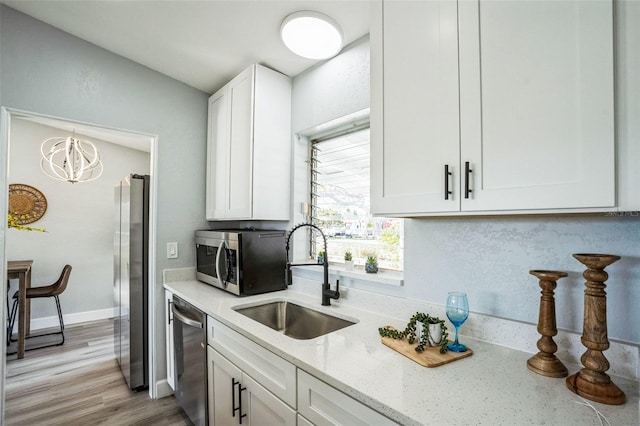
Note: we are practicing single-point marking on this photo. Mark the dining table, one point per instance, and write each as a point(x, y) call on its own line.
point(21, 270)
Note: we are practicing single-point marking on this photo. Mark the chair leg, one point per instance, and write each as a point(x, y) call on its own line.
point(60, 318)
point(14, 312)
point(12, 320)
point(8, 314)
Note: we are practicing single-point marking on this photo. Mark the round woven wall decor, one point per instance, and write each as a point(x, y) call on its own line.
point(27, 203)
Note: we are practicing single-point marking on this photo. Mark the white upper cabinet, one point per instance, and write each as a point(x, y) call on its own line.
point(249, 148)
point(514, 99)
point(415, 119)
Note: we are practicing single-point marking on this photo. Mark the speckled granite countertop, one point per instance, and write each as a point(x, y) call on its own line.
point(492, 387)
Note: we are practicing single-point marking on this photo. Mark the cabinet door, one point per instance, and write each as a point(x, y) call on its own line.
point(303, 422)
point(217, 148)
point(235, 398)
point(223, 390)
point(262, 407)
point(274, 373)
point(240, 150)
point(169, 340)
point(414, 107)
point(536, 102)
point(324, 405)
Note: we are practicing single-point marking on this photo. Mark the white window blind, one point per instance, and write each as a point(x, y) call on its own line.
point(340, 202)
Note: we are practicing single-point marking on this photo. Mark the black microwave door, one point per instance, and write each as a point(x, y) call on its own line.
point(206, 260)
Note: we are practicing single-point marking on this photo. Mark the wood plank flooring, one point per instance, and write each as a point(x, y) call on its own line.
point(80, 383)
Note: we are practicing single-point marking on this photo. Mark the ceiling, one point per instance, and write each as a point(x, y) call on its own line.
point(202, 43)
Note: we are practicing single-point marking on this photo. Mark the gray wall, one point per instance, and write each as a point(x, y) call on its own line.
point(47, 71)
point(490, 258)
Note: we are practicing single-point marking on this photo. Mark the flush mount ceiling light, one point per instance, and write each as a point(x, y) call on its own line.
point(70, 159)
point(311, 35)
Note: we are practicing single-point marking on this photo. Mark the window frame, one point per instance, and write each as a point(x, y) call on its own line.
point(314, 138)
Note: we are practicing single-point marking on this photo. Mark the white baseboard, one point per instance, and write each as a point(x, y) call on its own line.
point(163, 389)
point(69, 319)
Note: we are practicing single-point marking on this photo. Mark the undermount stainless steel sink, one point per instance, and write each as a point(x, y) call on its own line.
point(294, 320)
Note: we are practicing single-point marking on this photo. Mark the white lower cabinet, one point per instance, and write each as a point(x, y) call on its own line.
point(321, 404)
point(237, 399)
point(265, 367)
point(169, 337)
point(250, 385)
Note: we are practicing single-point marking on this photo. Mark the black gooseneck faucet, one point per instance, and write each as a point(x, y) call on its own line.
point(327, 293)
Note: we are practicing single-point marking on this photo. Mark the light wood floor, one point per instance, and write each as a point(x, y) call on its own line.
point(80, 383)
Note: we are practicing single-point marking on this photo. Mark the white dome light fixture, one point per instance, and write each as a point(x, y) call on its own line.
point(311, 35)
point(70, 159)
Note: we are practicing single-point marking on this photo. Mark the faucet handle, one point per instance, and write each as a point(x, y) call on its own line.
point(288, 275)
point(335, 294)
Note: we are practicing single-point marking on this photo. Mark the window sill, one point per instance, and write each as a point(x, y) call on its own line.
point(337, 271)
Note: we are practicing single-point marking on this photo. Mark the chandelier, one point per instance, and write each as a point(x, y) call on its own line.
point(70, 159)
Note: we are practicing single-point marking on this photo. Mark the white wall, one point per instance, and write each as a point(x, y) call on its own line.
point(47, 71)
point(490, 258)
point(79, 221)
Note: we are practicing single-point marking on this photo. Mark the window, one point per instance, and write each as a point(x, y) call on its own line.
point(340, 202)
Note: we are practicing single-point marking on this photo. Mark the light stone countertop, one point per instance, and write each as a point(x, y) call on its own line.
point(492, 387)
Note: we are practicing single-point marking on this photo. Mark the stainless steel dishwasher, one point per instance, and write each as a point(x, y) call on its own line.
point(190, 347)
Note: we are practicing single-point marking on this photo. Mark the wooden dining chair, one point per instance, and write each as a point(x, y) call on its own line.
point(52, 290)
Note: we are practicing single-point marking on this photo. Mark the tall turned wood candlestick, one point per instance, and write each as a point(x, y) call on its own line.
point(545, 362)
point(592, 382)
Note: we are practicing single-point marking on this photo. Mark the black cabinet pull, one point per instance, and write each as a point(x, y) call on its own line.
point(240, 389)
point(467, 172)
point(447, 173)
point(233, 399)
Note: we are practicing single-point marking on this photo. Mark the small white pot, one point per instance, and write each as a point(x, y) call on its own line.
point(435, 333)
point(348, 265)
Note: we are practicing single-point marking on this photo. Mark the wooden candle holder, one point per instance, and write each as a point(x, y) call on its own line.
point(592, 382)
point(545, 362)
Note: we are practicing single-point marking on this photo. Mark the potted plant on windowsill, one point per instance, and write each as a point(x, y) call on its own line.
point(371, 266)
point(348, 261)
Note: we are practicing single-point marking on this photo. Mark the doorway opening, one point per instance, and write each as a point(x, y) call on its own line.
point(79, 221)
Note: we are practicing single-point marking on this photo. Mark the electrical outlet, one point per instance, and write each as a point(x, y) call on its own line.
point(172, 250)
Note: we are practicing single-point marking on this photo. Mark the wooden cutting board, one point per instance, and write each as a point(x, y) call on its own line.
point(430, 357)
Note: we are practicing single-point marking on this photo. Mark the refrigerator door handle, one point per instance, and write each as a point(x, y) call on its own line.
point(184, 318)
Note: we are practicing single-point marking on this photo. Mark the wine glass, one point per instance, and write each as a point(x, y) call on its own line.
point(457, 312)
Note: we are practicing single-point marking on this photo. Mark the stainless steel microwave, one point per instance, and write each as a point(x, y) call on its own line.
point(242, 262)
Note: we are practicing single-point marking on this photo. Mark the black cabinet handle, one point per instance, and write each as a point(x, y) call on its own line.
point(240, 389)
point(467, 172)
point(447, 173)
point(233, 399)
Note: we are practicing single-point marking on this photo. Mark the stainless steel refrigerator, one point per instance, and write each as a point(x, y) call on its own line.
point(130, 279)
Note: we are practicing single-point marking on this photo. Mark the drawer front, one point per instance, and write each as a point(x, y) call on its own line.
point(274, 373)
point(324, 405)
